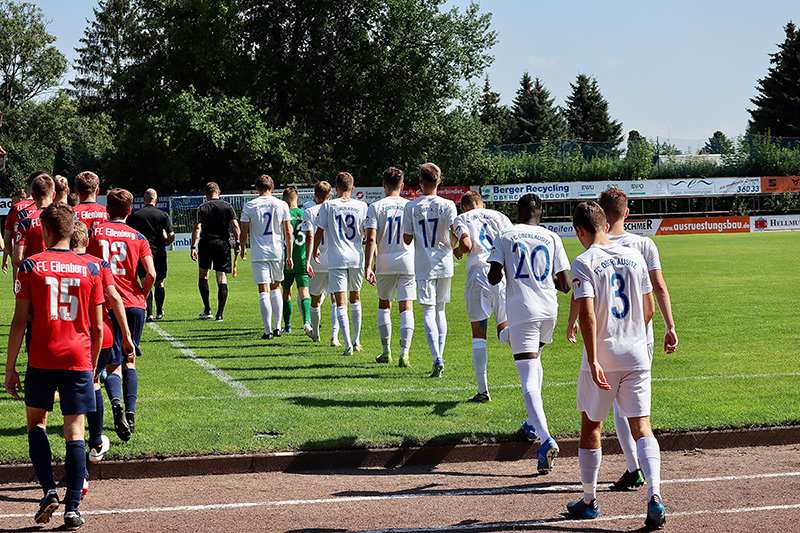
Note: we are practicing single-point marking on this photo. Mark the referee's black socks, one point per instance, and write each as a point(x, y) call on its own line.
point(222, 297)
point(202, 284)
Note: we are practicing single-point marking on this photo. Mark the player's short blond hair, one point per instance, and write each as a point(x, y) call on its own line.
point(471, 200)
point(80, 235)
point(86, 183)
point(42, 187)
point(614, 202)
point(344, 181)
point(322, 190)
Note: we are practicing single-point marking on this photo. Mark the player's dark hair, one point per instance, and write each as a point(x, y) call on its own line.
point(322, 190)
point(73, 199)
point(529, 206)
point(290, 192)
point(86, 183)
point(42, 187)
point(614, 202)
point(211, 188)
point(18, 195)
point(344, 181)
point(118, 203)
point(33, 175)
point(471, 200)
point(589, 216)
point(393, 177)
point(80, 235)
point(429, 174)
point(264, 183)
point(59, 218)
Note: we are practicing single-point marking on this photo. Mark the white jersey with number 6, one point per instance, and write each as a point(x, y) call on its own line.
point(428, 219)
point(343, 223)
point(266, 215)
point(394, 255)
point(617, 278)
point(482, 226)
point(531, 256)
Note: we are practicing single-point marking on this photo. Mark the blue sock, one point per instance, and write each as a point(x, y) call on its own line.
point(113, 386)
point(95, 420)
point(130, 384)
point(42, 459)
point(74, 472)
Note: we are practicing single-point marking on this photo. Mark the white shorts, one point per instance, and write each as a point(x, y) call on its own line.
point(529, 336)
point(403, 285)
point(629, 388)
point(267, 271)
point(318, 285)
point(433, 291)
point(482, 299)
point(345, 279)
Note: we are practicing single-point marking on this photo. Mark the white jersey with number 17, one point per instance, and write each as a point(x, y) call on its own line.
point(531, 256)
point(428, 219)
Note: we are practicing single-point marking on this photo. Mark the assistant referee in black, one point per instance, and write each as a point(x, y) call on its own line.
point(211, 247)
point(156, 227)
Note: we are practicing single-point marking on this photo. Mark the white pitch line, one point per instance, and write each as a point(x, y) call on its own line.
point(449, 493)
point(240, 390)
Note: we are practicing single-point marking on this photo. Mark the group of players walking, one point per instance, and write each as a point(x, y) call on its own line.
point(513, 271)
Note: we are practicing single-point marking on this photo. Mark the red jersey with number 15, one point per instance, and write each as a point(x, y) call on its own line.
point(123, 248)
point(63, 290)
point(91, 213)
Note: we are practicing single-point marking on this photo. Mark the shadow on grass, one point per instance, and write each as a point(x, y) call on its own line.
point(291, 377)
point(15, 432)
point(439, 408)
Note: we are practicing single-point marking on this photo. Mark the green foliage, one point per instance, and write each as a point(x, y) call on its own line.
point(777, 109)
point(587, 113)
point(780, 204)
point(29, 64)
point(496, 117)
point(537, 117)
point(718, 144)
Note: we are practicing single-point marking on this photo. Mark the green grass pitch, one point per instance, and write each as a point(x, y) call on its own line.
point(734, 299)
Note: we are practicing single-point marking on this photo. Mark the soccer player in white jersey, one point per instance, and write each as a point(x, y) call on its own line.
point(394, 265)
point(266, 221)
point(476, 230)
point(611, 286)
point(341, 221)
point(536, 267)
point(428, 222)
point(615, 205)
point(318, 269)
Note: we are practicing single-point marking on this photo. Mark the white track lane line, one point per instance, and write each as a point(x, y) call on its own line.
point(450, 493)
point(240, 390)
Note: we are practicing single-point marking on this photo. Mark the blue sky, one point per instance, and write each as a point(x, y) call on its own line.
point(677, 70)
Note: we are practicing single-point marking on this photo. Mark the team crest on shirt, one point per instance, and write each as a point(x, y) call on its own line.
point(17, 286)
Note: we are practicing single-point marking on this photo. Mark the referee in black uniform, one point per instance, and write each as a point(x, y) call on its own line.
point(214, 217)
point(156, 226)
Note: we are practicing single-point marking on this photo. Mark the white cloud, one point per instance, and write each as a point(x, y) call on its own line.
point(610, 62)
point(542, 62)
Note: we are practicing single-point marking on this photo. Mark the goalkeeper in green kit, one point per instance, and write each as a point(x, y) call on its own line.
point(298, 273)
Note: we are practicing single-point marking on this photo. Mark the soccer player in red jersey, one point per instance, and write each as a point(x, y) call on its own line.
point(124, 249)
point(87, 185)
point(28, 236)
point(11, 219)
point(64, 295)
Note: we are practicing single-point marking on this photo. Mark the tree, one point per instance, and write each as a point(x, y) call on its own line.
point(29, 65)
point(777, 109)
point(587, 114)
point(537, 118)
point(496, 116)
point(105, 52)
point(718, 144)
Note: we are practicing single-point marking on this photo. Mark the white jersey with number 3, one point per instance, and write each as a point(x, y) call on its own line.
point(428, 219)
point(343, 223)
point(266, 215)
point(483, 226)
point(531, 256)
point(394, 255)
point(617, 278)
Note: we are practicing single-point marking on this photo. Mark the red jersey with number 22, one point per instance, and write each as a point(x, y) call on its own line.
point(123, 248)
point(63, 290)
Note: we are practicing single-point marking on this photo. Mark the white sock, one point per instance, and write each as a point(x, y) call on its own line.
point(505, 336)
point(441, 322)
point(406, 330)
point(344, 326)
point(385, 328)
point(480, 357)
point(528, 370)
point(355, 314)
point(431, 330)
point(650, 459)
point(334, 322)
point(626, 441)
point(315, 317)
point(277, 308)
point(589, 462)
point(266, 310)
